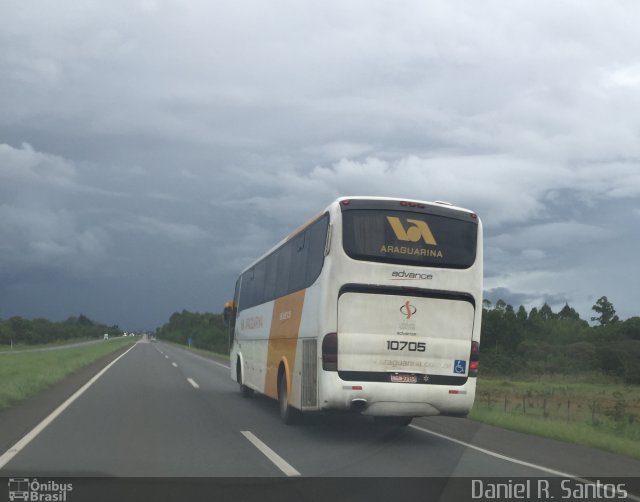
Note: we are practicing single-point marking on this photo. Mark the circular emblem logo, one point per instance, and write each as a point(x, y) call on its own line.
point(408, 310)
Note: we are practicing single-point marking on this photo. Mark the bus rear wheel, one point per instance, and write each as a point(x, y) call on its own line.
point(246, 392)
point(393, 421)
point(288, 414)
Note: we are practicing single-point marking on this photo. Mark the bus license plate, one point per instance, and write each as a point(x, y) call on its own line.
point(404, 378)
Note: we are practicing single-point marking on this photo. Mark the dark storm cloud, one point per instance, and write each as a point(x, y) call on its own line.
point(150, 150)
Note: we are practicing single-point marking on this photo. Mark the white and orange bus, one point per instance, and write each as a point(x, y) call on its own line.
point(373, 306)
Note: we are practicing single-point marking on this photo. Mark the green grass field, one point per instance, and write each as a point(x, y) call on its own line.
point(598, 415)
point(25, 374)
point(22, 346)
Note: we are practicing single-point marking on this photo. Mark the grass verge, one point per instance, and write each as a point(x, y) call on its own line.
point(594, 415)
point(26, 374)
point(24, 346)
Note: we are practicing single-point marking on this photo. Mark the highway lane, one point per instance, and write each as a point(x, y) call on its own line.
point(163, 411)
point(141, 418)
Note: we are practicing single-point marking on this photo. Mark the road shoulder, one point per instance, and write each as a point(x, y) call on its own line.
point(19, 420)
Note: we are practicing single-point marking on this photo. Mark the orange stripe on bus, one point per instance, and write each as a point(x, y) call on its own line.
point(304, 225)
point(283, 339)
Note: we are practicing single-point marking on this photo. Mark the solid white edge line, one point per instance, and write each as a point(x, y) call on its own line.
point(6, 457)
point(193, 383)
point(219, 364)
point(277, 460)
point(547, 470)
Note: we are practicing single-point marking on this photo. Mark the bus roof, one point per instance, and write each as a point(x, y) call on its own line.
point(338, 201)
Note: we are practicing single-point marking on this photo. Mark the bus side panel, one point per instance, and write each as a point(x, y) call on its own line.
point(283, 339)
point(304, 393)
point(252, 333)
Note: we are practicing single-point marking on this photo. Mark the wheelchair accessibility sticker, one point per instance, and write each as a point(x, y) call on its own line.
point(459, 367)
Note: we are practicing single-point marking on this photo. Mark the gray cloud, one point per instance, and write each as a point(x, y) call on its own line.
point(154, 148)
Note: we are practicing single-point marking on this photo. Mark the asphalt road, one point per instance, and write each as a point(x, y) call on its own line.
point(161, 411)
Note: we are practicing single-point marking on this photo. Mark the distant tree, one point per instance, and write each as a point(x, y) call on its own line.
point(206, 330)
point(486, 304)
point(546, 313)
point(630, 328)
point(85, 321)
point(521, 315)
point(568, 313)
point(629, 354)
point(5, 334)
point(607, 314)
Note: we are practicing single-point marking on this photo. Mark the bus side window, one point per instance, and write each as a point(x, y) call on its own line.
point(298, 264)
point(284, 258)
point(271, 277)
point(315, 243)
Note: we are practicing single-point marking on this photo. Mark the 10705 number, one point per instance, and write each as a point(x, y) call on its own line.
point(410, 346)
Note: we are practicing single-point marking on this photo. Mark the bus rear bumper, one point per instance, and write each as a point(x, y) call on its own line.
point(394, 408)
point(397, 399)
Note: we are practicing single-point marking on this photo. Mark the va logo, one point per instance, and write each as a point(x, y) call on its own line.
point(419, 230)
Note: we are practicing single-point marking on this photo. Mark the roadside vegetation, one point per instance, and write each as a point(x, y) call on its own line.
point(20, 333)
point(598, 415)
point(541, 372)
point(26, 374)
point(553, 375)
point(206, 331)
point(543, 343)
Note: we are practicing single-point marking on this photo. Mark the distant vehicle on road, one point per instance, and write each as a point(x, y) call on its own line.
point(106, 336)
point(373, 306)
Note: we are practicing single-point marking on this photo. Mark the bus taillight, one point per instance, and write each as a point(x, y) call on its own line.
point(474, 359)
point(330, 352)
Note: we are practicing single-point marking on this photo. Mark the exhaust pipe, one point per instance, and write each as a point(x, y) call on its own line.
point(358, 404)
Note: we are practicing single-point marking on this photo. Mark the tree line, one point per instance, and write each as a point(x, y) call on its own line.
point(206, 331)
point(20, 331)
point(517, 342)
point(513, 342)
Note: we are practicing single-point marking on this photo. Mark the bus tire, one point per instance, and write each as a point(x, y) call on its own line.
point(393, 421)
point(288, 414)
point(246, 392)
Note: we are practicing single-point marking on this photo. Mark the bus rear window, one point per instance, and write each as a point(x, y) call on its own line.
point(411, 238)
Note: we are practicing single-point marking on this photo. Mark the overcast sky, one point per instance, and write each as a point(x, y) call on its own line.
point(150, 149)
